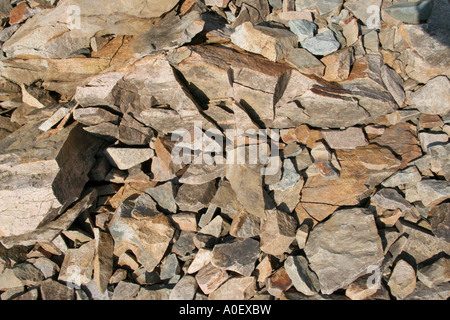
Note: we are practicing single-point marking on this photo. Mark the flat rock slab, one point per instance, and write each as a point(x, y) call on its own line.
point(343, 247)
point(41, 176)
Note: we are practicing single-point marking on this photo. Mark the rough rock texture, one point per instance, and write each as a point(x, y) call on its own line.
point(338, 261)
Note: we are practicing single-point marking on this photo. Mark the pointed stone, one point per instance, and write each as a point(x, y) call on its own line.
point(126, 158)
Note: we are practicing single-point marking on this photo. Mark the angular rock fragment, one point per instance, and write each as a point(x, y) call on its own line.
point(272, 43)
point(77, 267)
point(125, 291)
point(146, 236)
point(350, 138)
point(278, 283)
point(431, 192)
point(53, 290)
point(305, 62)
point(94, 116)
point(277, 232)
point(435, 274)
point(439, 217)
point(169, 33)
point(322, 44)
point(126, 158)
point(193, 198)
point(236, 288)
point(209, 278)
point(103, 259)
point(342, 248)
point(185, 289)
point(164, 196)
point(303, 279)
point(408, 175)
point(238, 256)
point(402, 281)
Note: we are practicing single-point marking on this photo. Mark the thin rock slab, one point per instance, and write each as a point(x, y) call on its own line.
point(342, 248)
point(103, 258)
point(435, 274)
point(126, 158)
point(146, 236)
point(238, 256)
point(209, 278)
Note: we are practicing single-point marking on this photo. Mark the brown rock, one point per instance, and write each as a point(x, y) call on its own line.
point(103, 259)
point(238, 256)
point(277, 232)
point(338, 65)
point(279, 282)
point(195, 197)
point(402, 281)
point(209, 278)
point(53, 290)
point(146, 236)
point(236, 288)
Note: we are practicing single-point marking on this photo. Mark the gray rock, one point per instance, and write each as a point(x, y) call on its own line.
point(28, 274)
point(126, 158)
point(238, 256)
point(405, 176)
point(170, 33)
point(164, 196)
point(195, 197)
point(431, 192)
point(411, 12)
point(402, 281)
point(303, 279)
point(185, 289)
point(53, 290)
point(305, 62)
point(390, 199)
point(304, 29)
point(430, 139)
point(322, 44)
point(422, 244)
point(433, 98)
point(435, 274)
point(359, 8)
point(184, 244)
point(422, 292)
point(125, 290)
point(338, 261)
point(289, 178)
point(170, 267)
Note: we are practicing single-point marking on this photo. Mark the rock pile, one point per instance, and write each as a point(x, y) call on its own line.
point(224, 149)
